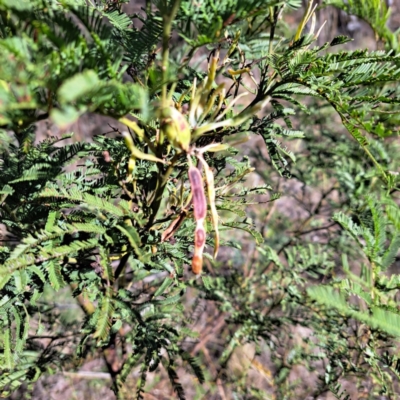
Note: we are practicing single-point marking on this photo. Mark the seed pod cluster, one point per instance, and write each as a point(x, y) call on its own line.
point(200, 211)
point(175, 127)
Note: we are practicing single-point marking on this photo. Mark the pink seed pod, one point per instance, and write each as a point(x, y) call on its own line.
point(200, 237)
point(199, 243)
point(198, 196)
point(200, 212)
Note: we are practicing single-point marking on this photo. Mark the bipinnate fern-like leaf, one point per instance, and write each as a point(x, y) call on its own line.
point(375, 12)
point(56, 253)
point(120, 21)
point(209, 20)
point(51, 220)
point(378, 318)
point(390, 254)
point(129, 364)
point(371, 235)
point(194, 364)
point(51, 233)
point(93, 203)
point(7, 342)
point(339, 392)
point(22, 322)
point(139, 44)
point(379, 226)
point(104, 321)
point(141, 381)
point(351, 227)
point(132, 235)
point(54, 273)
point(174, 379)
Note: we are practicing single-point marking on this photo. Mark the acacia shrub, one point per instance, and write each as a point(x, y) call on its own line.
point(112, 222)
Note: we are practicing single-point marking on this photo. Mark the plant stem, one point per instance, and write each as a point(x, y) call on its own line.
point(162, 182)
point(272, 32)
point(168, 17)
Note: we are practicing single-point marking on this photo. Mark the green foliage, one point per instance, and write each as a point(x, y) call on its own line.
point(336, 182)
point(376, 13)
point(109, 222)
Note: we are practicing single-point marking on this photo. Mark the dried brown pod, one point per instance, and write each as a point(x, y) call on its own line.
point(174, 226)
point(197, 264)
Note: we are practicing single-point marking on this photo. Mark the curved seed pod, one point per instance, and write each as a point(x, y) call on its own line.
point(175, 127)
point(174, 226)
point(212, 69)
point(131, 166)
point(134, 126)
point(136, 153)
point(211, 200)
point(307, 15)
point(232, 47)
point(239, 71)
